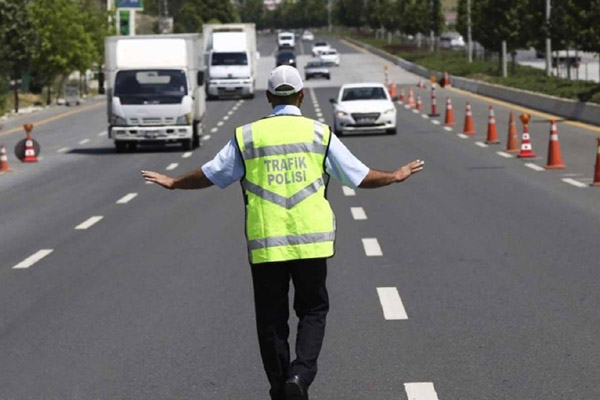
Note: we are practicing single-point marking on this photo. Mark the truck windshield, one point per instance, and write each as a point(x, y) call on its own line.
point(163, 86)
point(229, 59)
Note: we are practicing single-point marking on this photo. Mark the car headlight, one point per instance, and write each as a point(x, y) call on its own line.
point(117, 121)
point(184, 119)
point(341, 114)
point(390, 111)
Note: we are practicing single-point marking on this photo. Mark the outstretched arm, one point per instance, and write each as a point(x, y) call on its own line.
point(194, 180)
point(375, 178)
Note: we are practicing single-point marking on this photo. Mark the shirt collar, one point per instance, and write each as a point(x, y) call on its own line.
point(285, 109)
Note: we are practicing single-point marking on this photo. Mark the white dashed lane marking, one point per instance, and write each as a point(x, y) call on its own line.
point(84, 141)
point(348, 191)
point(424, 116)
point(127, 198)
point(372, 248)
point(103, 133)
point(89, 222)
point(534, 167)
point(206, 137)
point(220, 123)
point(575, 183)
point(172, 166)
point(503, 154)
point(63, 150)
point(187, 154)
point(358, 213)
point(481, 144)
point(462, 136)
point(32, 259)
point(447, 128)
point(435, 122)
point(213, 130)
point(321, 120)
point(391, 303)
point(420, 391)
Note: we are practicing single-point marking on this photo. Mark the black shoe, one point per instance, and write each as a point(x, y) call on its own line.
point(294, 390)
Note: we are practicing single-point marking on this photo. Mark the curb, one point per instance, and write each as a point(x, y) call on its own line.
point(565, 108)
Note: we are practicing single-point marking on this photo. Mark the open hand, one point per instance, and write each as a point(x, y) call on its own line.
point(407, 170)
point(162, 180)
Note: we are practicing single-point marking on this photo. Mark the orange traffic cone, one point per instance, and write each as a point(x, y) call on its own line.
point(526, 149)
point(449, 119)
point(492, 133)
point(392, 90)
point(411, 98)
point(512, 144)
point(434, 111)
point(4, 167)
point(554, 156)
point(469, 128)
point(419, 103)
point(446, 80)
point(401, 97)
point(597, 173)
point(421, 84)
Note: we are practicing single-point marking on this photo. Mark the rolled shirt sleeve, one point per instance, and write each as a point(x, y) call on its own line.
point(227, 166)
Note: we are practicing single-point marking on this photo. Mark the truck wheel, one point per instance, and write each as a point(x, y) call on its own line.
point(131, 147)
point(120, 147)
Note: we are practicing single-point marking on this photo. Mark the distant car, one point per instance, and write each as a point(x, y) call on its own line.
point(286, 57)
point(307, 36)
point(286, 39)
point(330, 57)
point(316, 68)
point(364, 107)
point(320, 47)
point(452, 41)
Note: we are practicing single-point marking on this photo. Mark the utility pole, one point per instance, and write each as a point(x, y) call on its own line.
point(431, 34)
point(469, 38)
point(548, 42)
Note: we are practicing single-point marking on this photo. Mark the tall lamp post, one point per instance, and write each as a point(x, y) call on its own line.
point(469, 37)
point(548, 42)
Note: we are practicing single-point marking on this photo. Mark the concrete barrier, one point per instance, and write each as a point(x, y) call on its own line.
point(565, 108)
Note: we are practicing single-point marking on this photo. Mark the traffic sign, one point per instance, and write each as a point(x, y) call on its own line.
point(131, 4)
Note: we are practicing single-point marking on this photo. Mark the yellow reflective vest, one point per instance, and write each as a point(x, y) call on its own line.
point(287, 214)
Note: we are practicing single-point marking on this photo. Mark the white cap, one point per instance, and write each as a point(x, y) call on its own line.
point(285, 75)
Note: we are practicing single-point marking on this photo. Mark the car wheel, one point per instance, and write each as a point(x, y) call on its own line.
point(391, 131)
point(328, 77)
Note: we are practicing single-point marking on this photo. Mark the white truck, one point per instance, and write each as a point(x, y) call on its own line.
point(231, 59)
point(155, 90)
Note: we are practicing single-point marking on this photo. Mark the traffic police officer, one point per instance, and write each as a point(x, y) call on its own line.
point(284, 162)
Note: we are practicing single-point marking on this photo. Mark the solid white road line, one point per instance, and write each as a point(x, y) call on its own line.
point(534, 167)
point(503, 154)
point(32, 259)
point(481, 144)
point(462, 136)
point(358, 213)
point(447, 128)
point(372, 248)
point(213, 130)
point(420, 391)
point(575, 183)
point(84, 141)
point(63, 150)
point(172, 166)
point(127, 198)
point(348, 191)
point(89, 222)
point(435, 122)
point(187, 154)
point(392, 306)
point(103, 133)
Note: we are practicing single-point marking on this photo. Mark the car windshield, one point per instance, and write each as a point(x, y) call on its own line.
point(229, 59)
point(364, 93)
point(320, 44)
point(330, 53)
point(150, 86)
point(315, 64)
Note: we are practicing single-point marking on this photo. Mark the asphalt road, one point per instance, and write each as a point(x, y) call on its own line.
point(476, 279)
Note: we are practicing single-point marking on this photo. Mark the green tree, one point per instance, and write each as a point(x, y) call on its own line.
point(17, 40)
point(351, 13)
point(461, 17)
point(252, 11)
point(187, 13)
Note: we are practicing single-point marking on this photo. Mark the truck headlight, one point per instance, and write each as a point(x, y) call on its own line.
point(117, 121)
point(185, 119)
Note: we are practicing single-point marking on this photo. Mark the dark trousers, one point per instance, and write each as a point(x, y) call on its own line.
point(311, 303)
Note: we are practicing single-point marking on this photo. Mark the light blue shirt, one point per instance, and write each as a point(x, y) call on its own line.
point(228, 166)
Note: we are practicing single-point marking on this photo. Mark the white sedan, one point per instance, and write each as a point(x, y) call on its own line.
point(364, 107)
point(320, 47)
point(308, 36)
point(330, 57)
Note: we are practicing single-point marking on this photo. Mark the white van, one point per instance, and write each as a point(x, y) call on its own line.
point(286, 40)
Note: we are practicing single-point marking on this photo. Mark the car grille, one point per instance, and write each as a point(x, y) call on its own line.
point(365, 118)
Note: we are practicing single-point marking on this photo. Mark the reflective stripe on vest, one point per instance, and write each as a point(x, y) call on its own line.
point(287, 215)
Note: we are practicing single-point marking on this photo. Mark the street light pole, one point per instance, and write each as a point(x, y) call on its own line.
point(548, 42)
point(469, 38)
